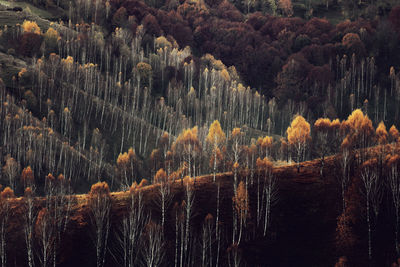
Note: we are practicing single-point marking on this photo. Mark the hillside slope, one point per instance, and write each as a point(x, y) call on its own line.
point(304, 219)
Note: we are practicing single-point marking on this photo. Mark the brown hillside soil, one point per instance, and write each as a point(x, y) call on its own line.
point(302, 231)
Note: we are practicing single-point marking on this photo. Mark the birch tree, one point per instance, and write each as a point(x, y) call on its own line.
point(394, 187)
point(45, 236)
point(164, 193)
point(99, 202)
point(298, 136)
point(369, 178)
point(29, 218)
point(153, 245)
point(216, 139)
point(5, 210)
point(241, 203)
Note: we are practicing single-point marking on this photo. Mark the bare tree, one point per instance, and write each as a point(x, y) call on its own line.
point(207, 241)
point(153, 245)
point(5, 209)
point(394, 187)
point(164, 193)
point(29, 217)
point(269, 197)
point(11, 169)
point(369, 178)
point(189, 199)
point(132, 226)
point(344, 177)
point(45, 237)
point(234, 256)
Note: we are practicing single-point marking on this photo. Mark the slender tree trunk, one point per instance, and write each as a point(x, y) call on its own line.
point(369, 232)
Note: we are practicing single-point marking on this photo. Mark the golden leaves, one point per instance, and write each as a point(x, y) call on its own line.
point(27, 176)
point(381, 133)
point(265, 142)
point(394, 133)
point(7, 193)
point(358, 127)
point(30, 26)
point(162, 42)
point(264, 163)
point(99, 189)
point(215, 134)
point(68, 61)
point(161, 176)
point(21, 73)
point(123, 159)
point(241, 200)
point(298, 131)
point(322, 124)
point(51, 34)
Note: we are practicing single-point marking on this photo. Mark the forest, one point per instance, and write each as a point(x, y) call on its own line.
point(199, 133)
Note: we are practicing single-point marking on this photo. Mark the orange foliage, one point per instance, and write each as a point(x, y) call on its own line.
point(394, 133)
point(236, 133)
point(27, 177)
point(28, 192)
point(263, 164)
point(143, 183)
point(216, 154)
point(235, 165)
point(335, 124)
point(392, 160)
point(7, 193)
point(161, 176)
point(241, 200)
point(215, 135)
point(381, 133)
point(299, 131)
point(188, 136)
point(30, 26)
point(342, 262)
point(265, 142)
point(99, 189)
point(358, 128)
point(322, 124)
point(61, 178)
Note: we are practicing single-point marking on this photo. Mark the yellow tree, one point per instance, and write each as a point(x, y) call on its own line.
point(187, 144)
point(27, 177)
point(265, 145)
point(126, 164)
point(326, 134)
point(216, 139)
point(11, 169)
point(298, 136)
point(359, 131)
point(241, 204)
point(394, 134)
point(30, 26)
point(122, 163)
